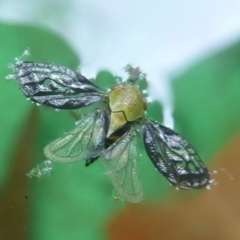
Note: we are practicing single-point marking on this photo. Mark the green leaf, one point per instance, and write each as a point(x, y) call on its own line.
point(207, 99)
point(75, 201)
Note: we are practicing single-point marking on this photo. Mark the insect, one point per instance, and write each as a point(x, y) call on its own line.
point(111, 132)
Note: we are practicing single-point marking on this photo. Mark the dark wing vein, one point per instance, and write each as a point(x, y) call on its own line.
point(56, 86)
point(174, 157)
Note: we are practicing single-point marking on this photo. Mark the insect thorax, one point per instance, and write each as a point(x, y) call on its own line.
point(127, 104)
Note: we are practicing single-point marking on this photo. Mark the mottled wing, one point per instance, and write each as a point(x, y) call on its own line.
point(174, 157)
point(56, 86)
point(121, 164)
point(86, 141)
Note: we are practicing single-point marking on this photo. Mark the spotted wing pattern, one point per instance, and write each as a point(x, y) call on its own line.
point(174, 157)
point(85, 141)
point(120, 161)
point(56, 86)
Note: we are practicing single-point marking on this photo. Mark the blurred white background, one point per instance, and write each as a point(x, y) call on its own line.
point(162, 37)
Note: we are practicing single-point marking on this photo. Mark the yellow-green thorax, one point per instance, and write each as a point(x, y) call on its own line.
point(127, 104)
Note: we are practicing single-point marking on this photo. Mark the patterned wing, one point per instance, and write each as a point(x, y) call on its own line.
point(120, 161)
point(174, 157)
point(56, 86)
point(86, 141)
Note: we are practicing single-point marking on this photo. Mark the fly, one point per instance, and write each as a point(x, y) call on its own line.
point(111, 132)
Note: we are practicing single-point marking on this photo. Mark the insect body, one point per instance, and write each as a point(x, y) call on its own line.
point(127, 104)
point(112, 131)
